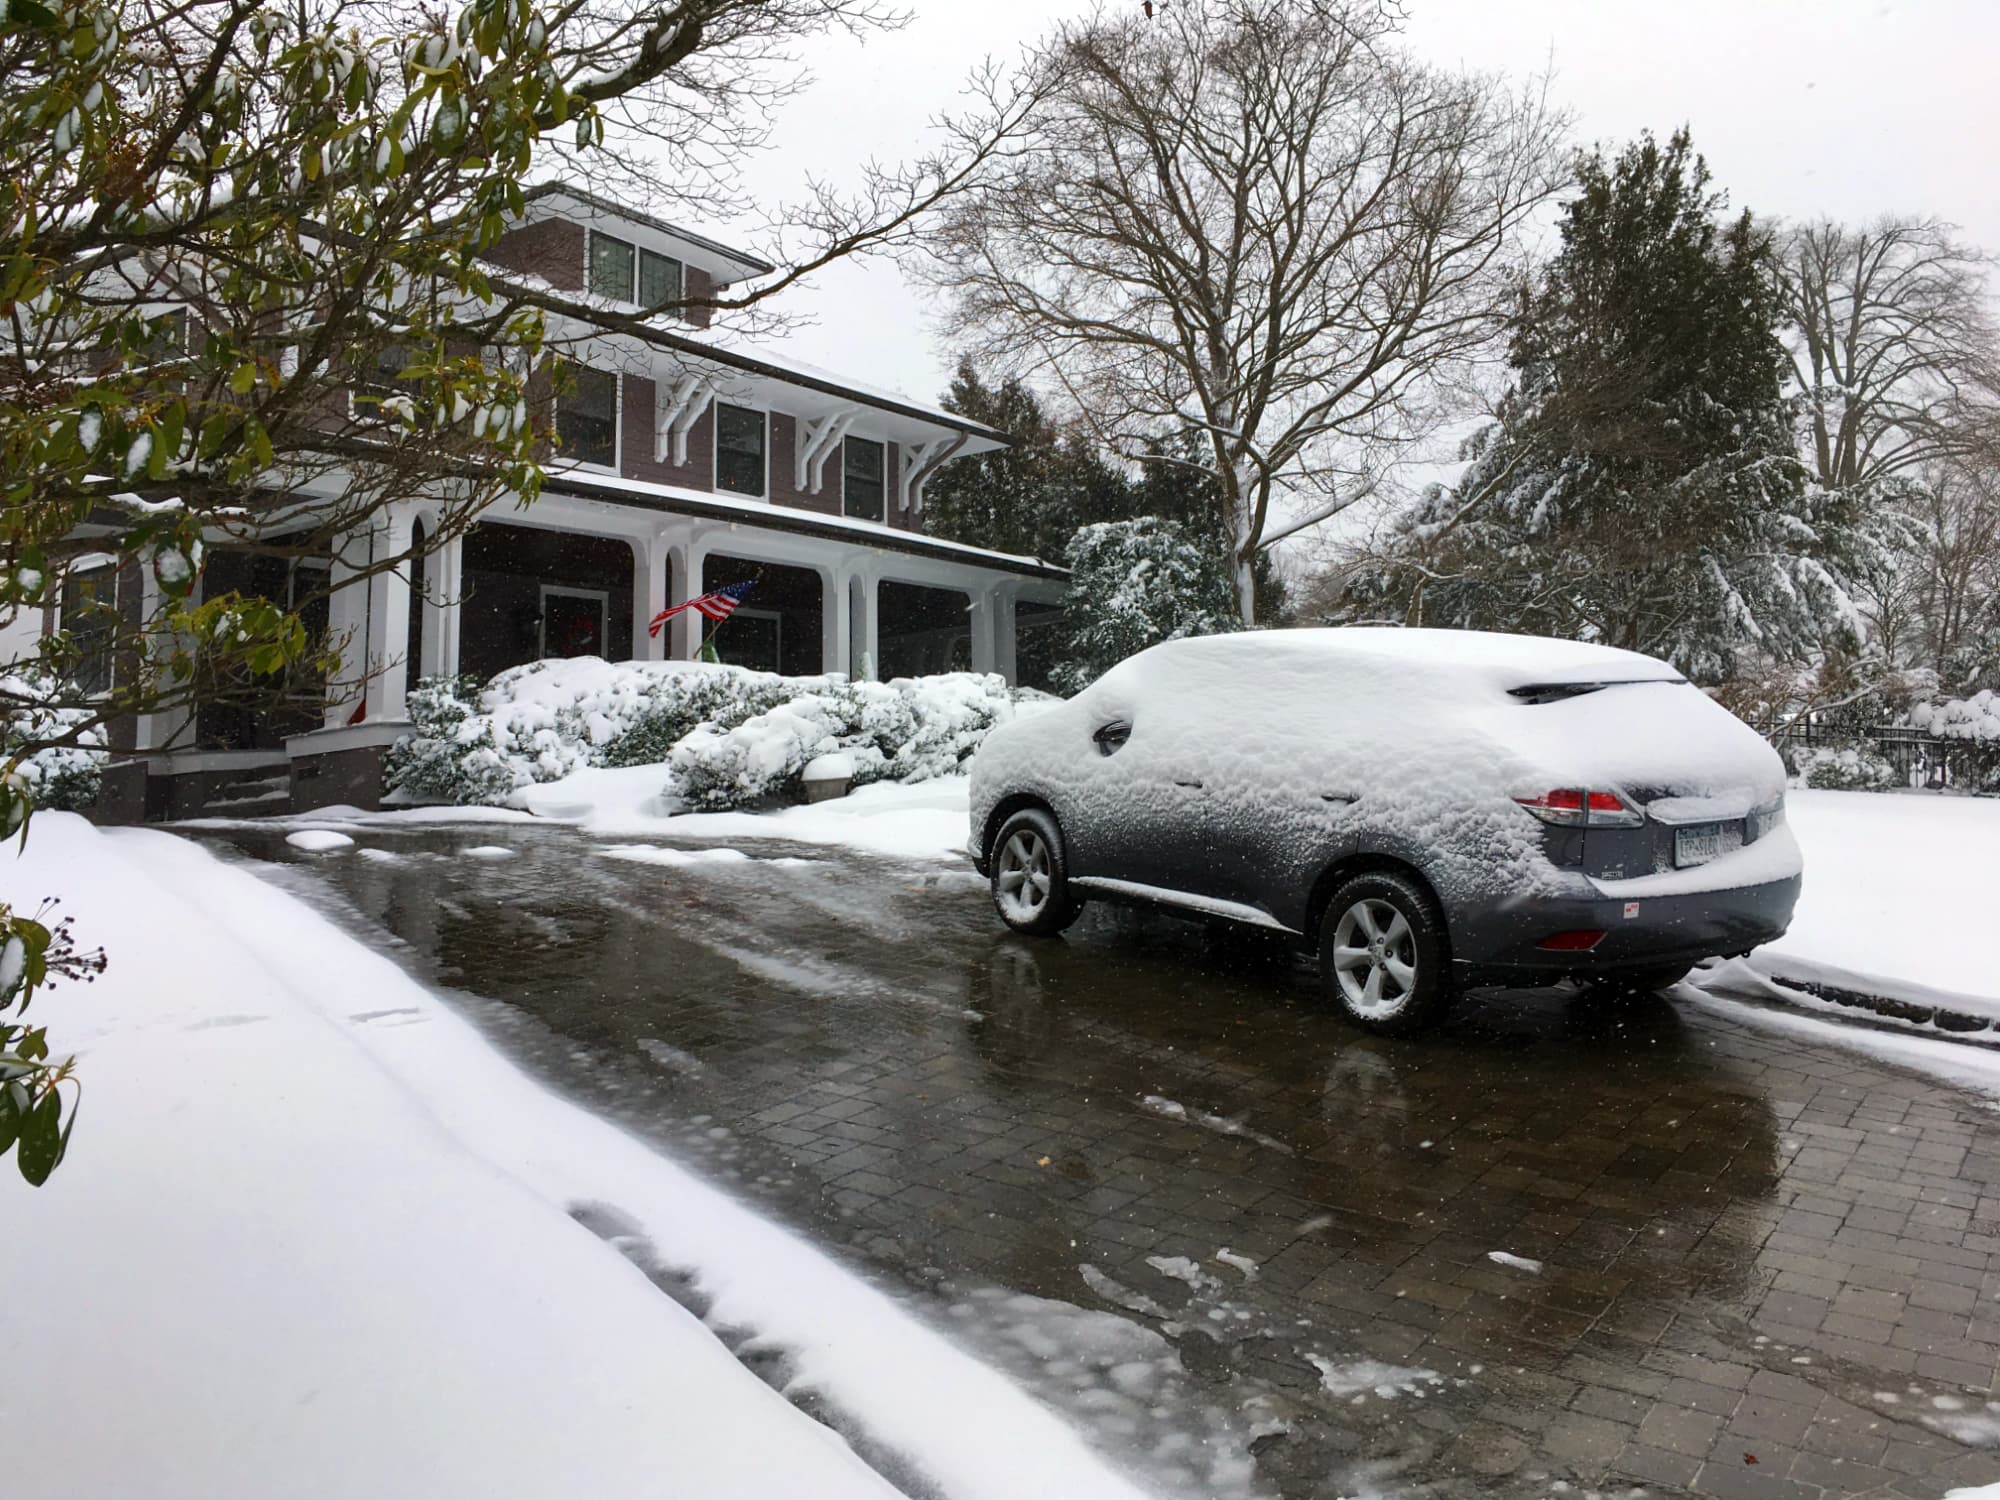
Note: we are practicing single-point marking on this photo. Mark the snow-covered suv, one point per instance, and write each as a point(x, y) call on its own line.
point(1424, 809)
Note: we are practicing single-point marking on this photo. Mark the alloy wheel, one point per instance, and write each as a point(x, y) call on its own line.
point(1024, 877)
point(1375, 958)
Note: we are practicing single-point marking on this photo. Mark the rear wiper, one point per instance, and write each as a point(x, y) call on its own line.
point(1555, 692)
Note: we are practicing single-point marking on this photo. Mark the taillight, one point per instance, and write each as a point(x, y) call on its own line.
point(1581, 940)
point(1575, 807)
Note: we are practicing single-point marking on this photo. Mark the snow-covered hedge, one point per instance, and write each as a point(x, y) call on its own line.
point(728, 737)
point(64, 778)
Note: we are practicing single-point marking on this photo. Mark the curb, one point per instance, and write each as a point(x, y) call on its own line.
point(1956, 1022)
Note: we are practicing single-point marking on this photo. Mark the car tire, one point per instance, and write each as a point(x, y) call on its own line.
point(1030, 879)
point(1384, 954)
point(1641, 981)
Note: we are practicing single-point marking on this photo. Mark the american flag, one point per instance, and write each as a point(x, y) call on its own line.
point(717, 606)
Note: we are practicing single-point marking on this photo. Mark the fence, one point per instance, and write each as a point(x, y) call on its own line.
point(1920, 759)
point(1923, 759)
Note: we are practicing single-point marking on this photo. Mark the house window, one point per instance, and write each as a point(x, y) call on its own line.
point(587, 417)
point(610, 267)
point(863, 479)
point(739, 450)
point(659, 279)
point(88, 601)
point(622, 272)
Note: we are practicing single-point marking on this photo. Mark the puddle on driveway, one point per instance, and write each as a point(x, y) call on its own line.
point(1248, 1248)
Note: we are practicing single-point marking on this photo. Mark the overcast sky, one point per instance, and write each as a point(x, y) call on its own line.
point(1803, 108)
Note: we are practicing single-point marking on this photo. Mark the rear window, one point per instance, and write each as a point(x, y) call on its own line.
point(1556, 692)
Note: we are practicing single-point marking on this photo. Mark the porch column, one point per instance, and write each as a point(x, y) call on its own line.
point(173, 728)
point(836, 602)
point(388, 622)
point(864, 628)
point(687, 626)
point(444, 586)
point(649, 596)
point(347, 625)
point(1006, 659)
point(980, 615)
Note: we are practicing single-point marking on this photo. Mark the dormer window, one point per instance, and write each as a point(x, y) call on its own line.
point(623, 272)
point(863, 479)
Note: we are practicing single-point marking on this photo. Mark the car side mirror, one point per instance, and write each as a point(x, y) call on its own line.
point(1110, 738)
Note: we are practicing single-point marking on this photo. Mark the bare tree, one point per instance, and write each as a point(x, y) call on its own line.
point(1893, 345)
point(1257, 219)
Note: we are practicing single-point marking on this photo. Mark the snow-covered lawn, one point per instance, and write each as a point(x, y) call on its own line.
point(1900, 897)
point(314, 1238)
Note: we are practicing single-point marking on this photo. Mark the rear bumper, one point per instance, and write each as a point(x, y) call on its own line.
point(1501, 940)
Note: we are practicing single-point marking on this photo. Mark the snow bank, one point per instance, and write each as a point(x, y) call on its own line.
point(918, 821)
point(728, 737)
point(1898, 899)
point(314, 1237)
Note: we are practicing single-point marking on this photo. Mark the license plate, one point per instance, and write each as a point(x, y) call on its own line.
point(1697, 845)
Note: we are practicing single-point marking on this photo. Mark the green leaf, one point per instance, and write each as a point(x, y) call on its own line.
point(243, 379)
point(10, 1122)
point(29, 13)
point(42, 1140)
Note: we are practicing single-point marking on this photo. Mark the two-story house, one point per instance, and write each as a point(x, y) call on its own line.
point(686, 464)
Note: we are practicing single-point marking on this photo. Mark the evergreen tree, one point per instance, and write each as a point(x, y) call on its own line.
point(1029, 498)
point(1641, 487)
point(1134, 584)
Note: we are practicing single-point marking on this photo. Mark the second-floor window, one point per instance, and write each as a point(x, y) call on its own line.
point(739, 450)
point(623, 272)
point(587, 416)
point(863, 479)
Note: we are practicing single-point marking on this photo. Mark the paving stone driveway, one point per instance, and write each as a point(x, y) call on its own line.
point(1736, 1264)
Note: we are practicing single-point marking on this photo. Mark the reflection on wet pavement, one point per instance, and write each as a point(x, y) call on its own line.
point(1561, 1245)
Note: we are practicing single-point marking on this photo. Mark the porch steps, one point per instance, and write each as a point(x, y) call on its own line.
point(252, 797)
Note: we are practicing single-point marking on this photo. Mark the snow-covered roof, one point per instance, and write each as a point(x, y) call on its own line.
point(1530, 658)
point(595, 485)
point(743, 263)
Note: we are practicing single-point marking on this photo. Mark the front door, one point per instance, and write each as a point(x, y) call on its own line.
point(573, 621)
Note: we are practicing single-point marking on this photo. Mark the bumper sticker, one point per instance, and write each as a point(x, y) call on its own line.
point(1631, 910)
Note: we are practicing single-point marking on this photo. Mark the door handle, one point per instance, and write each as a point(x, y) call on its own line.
point(1192, 785)
point(1345, 798)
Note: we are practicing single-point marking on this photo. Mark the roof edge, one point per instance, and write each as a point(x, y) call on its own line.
point(559, 188)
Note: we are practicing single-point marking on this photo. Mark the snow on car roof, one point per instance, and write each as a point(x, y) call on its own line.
point(1513, 659)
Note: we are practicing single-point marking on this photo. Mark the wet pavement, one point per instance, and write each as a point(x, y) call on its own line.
point(1561, 1246)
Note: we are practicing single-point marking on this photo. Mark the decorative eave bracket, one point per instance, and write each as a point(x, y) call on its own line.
point(817, 440)
point(920, 462)
point(676, 409)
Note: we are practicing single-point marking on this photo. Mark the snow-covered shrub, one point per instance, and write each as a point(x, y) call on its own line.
point(912, 729)
point(62, 777)
point(451, 755)
point(1134, 584)
point(742, 736)
point(1848, 768)
point(1975, 718)
point(760, 759)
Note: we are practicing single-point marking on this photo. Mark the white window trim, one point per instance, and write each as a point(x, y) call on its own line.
point(715, 446)
point(617, 466)
point(566, 591)
point(852, 437)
